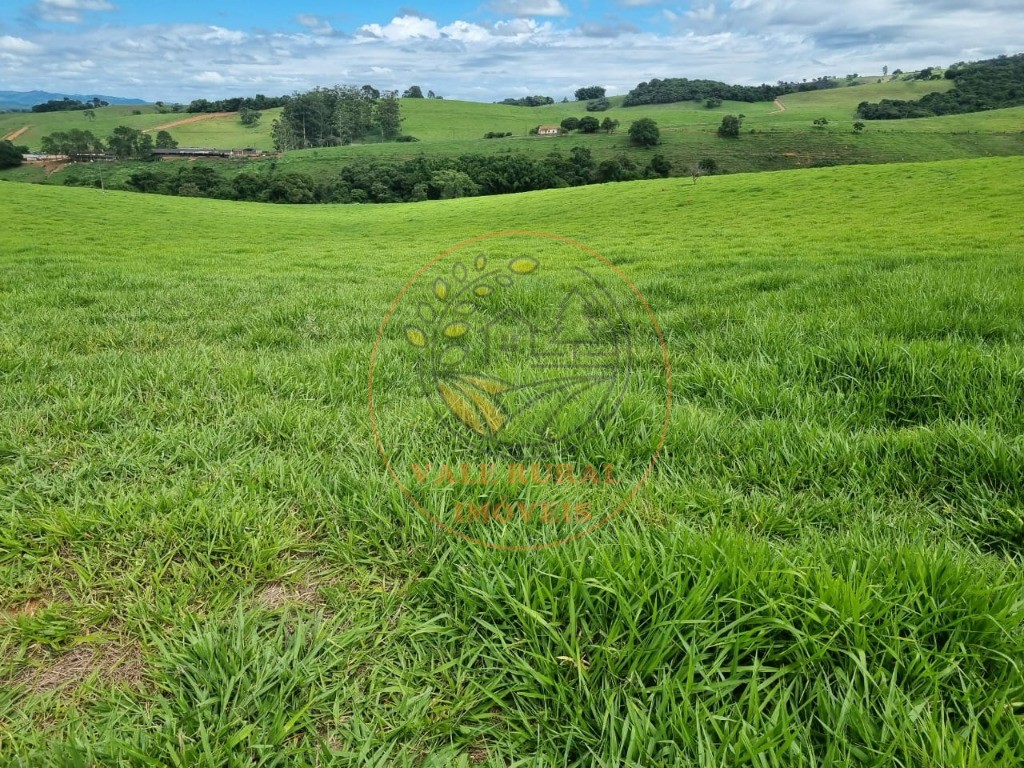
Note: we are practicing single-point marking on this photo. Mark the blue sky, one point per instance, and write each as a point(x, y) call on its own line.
point(483, 50)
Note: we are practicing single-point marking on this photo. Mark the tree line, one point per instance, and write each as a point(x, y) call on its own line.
point(672, 90)
point(67, 105)
point(123, 143)
point(376, 180)
point(337, 116)
point(529, 101)
point(979, 86)
point(237, 104)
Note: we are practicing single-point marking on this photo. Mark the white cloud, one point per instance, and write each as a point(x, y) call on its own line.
point(17, 45)
point(529, 7)
point(68, 11)
point(208, 76)
point(221, 35)
point(315, 24)
point(402, 28)
point(743, 41)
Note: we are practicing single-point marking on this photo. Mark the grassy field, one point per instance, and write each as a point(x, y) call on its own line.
point(226, 132)
point(203, 561)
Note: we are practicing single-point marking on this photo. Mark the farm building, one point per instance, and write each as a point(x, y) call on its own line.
point(192, 152)
point(548, 130)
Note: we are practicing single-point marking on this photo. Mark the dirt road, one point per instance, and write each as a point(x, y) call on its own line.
point(780, 105)
point(15, 134)
point(186, 120)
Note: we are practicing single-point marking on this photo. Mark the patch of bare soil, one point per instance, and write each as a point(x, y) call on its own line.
point(114, 663)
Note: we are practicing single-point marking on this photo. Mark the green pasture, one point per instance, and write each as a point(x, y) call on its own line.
point(203, 561)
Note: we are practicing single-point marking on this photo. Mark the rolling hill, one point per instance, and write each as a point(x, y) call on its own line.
point(823, 568)
point(28, 99)
point(772, 138)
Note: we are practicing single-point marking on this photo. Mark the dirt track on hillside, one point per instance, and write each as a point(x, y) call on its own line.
point(780, 105)
point(15, 134)
point(186, 120)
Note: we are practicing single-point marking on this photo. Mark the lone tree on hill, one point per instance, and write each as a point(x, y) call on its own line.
point(730, 127)
point(644, 132)
point(249, 117)
point(164, 140)
point(570, 124)
point(608, 125)
point(413, 92)
point(590, 92)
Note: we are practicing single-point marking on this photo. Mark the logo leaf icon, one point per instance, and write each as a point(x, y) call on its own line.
point(524, 265)
point(472, 404)
point(415, 336)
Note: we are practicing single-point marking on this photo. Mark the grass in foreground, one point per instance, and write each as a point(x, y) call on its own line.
point(202, 561)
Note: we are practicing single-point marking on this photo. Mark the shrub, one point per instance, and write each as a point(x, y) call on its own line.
point(708, 165)
point(644, 132)
point(730, 127)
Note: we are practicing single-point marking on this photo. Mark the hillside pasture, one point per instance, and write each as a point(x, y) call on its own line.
point(203, 560)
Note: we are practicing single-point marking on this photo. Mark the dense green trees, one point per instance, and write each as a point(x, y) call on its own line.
point(659, 166)
point(589, 93)
point(387, 115)
point(570, 124)
point(599, 105)
point(413, 92)
point(72, 142)
point(644, 132)
point(980, 85)
point(127, 143)
point(327, 117)
point(259, 102)
point(529, 101)
point(384, 181)
point(589, 124)
point(10, 155)
point(681, 89)
point(66, 104)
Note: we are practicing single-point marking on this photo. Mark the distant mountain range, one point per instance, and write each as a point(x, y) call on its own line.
point(28, 99)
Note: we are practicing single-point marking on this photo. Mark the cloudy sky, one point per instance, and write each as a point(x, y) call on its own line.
point(481, 50)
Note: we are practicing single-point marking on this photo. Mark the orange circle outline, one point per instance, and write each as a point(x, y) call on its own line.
point(668, 391)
